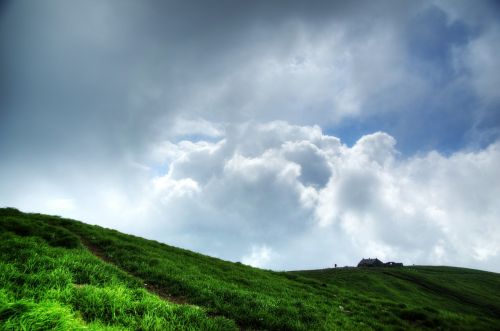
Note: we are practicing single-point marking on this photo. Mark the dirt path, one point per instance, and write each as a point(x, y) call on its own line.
point(161, 292)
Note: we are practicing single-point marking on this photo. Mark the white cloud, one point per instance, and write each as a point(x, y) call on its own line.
point(259, 257)
point(377, 147)
point(286, 186)
point(170, 188)
point(291, 197)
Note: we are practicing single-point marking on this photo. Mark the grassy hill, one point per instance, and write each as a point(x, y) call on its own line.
point(62, 274)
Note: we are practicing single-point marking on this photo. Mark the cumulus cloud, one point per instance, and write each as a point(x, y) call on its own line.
point(258, 257)
point(284, 196)
point(277, 186)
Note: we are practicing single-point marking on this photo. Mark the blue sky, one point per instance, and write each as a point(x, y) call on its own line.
point(443, 120)
point(280, 134)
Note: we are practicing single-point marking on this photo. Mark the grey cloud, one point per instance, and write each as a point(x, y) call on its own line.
point(357, 190)
point(87, 72)
point(315, 169)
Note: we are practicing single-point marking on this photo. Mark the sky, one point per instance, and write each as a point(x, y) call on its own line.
point(281, 134)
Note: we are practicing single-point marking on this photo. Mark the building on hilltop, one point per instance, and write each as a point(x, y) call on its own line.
point(377, 263)
point(370, 263)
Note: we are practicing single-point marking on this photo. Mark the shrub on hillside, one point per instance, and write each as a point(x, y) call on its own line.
point(17, 226)
point(9, 211)
point(54, 235)
point(64, 238)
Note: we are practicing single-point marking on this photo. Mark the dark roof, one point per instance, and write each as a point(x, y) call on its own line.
point(370, 262)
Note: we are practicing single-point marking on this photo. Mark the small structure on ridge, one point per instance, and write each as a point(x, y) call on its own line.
point(377, 263)
point(370, 263)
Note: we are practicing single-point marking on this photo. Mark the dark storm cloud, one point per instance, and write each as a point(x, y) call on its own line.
point(118, 71)
point(108, 71)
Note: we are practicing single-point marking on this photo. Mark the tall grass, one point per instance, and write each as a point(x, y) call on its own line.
point(52, 288)
point(52, 282)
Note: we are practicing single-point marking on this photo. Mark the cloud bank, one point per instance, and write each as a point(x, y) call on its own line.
point(283, 196)
point(292, 196)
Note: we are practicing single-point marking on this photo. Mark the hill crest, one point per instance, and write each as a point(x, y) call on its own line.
point(69, 275)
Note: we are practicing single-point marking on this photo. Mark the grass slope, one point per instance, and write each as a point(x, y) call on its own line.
point(63, 274)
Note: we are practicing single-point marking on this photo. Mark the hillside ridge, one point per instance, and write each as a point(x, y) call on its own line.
point(66, 274)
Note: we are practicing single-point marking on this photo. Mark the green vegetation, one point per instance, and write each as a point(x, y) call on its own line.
point(66, 275)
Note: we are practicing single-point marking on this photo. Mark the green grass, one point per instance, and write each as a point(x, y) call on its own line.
point(63, 274)
point(423, 291)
